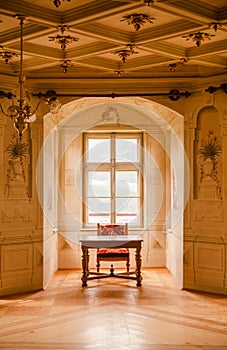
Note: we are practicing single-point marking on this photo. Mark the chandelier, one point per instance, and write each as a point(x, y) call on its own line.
point(57, 3)
point(62, 40)
point(198, 37)
point(137, 20)
point(20, 111)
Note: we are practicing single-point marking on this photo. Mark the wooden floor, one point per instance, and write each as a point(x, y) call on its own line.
point(114, 314)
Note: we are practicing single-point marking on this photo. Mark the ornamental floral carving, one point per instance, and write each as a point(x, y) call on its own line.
point(209, 152)
point(211, 147)
point(18, 151)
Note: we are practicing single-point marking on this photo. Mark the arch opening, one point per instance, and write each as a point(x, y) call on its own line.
point(164, 156)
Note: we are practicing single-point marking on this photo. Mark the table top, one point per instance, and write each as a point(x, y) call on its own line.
point(111, 241)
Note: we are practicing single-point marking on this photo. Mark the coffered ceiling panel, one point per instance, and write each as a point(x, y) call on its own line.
point(161, 50)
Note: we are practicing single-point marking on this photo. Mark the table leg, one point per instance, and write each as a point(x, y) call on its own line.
point(85, 259)
point(138, 267)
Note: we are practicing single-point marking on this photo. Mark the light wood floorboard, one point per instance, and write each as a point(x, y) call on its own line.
point(114, 314)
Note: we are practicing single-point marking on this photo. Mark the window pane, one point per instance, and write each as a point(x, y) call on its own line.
point(127, 150)
point(98, 150)
point(127, 210)
point(98, 183)
point(104, 219)
point(127, 183)
point(132, 219)
point(98, 210)
point(127, 205)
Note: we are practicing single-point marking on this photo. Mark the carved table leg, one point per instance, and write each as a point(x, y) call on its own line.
point(85, 259)
point(138, 267)
point(111, 270)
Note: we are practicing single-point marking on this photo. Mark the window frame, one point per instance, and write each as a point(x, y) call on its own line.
point(113, 167)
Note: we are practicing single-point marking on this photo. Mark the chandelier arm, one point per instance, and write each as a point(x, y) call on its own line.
point(21, 111)
point(37, 107)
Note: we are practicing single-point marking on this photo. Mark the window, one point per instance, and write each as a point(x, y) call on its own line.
point(112, 178)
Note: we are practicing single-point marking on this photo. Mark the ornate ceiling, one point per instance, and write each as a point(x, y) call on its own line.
point(92, 64)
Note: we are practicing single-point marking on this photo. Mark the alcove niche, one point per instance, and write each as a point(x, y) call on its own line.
point(208, 183)
point(165, 179)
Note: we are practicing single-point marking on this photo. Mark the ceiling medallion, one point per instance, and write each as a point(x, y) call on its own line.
point(151, 2)
point(174, 66)
point(63, 40)
point(125, 53)
point(215, 26)
point(198, 37)
point(119, 71)
point(137, 20)
point(66, 64)
point(57, 3)
point(62, 28)
point(7, 55)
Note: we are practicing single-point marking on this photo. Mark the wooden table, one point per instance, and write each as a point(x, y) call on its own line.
point(94, 242)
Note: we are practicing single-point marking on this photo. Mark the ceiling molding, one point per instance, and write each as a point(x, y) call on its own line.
point(100, 31)
point(95, 10)
point(208, 49)
point(34, 12)
point(192, 10)
point(166, 31)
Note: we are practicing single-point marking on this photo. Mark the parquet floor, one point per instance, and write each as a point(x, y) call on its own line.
point(114, 314)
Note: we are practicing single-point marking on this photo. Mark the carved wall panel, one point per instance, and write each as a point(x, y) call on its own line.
point(208, 183)
point(38, 255)
point(16, 257)
point(210, 266)
point(16, 266)
point(209, 256)
point(205, 246)
point(21, 262)
point(16, 213)
point(208, 211)
point(18, 167)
